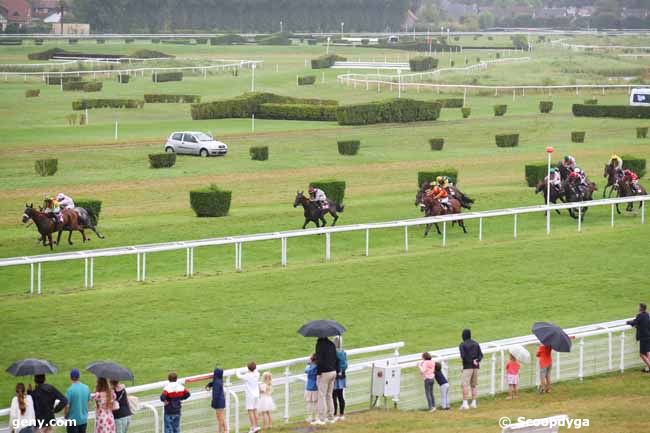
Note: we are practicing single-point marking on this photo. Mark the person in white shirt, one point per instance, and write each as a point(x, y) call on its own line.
point(21, 413)
point(251, 378)
point(65, 202)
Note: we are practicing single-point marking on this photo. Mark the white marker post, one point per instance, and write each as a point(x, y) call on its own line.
point(549, 152)
point(116, 130)
point(253, 122)
point(253, 78)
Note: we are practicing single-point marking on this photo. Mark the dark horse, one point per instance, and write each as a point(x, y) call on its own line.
point(454, 192)
point(314, 213)
point(575, 193)
point(433, 207)
point(47, 225)
point(613, 177)
point(86, 221)
point(556, 194)
point(624, 189)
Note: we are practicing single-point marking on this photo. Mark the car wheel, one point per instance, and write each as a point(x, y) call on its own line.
point(169, 149)
point(204, 153)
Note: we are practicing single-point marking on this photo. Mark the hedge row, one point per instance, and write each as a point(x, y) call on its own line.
point(82, 104)
point(535, 173)
point(11, 41)
point(545, 106)
point(259, 153)
point(348, 147)
point(162, 160)
point(157, 98)
point(297, 112)
point(641, 132)
point(451, 102)
point(327, 61)
point(390, 111)
point(637, 165)
point(423, 63)
point(436, 143)
point(430, 176)
point(94, 208)
point(163, 77)
point(618, 111)
point(466, 111)
point(150, 54)
point(578, 136)
point(229, 39)
point(46, 167)
point(57, 80)
point(507, 140)
point(33, 93)
point(306, 80)
point(500, 110)
point(123, 78)
point(46, 55)
point(86, 86)
point(210, 202)
point(333, 189)
point(276, 39)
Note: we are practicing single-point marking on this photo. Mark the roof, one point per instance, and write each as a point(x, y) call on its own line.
point(18, 11)
point(45, 4)
point(54, 18)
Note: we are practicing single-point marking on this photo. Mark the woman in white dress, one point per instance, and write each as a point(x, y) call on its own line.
point(21, 413)
point(266, 404)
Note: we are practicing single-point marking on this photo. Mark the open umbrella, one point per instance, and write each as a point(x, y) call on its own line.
point(31, 367)
point(321, 328)
point(520, 352)
point(552, 335)
point(110, 370)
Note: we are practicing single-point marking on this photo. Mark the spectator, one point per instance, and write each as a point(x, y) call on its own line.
point(340, 383)
point(512, 375)
point(172, 396)
point(428, 372)
point(105, 402)
point(218, 399)
point(545, 364)
point(44, 397)
point(266, 404)
point(123, 414)
point(471, 355)
point(327, 367)
point(642, 325)
point(251, 380)
point(21, 413)
point(444, 387)
point(311, 389)
point(78, 395)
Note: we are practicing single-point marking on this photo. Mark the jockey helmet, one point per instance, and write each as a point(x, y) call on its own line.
point(577, 170)
point(60, 196)
point(567, 157)
point(312, 189)
point(615, 156)
point(439, 179)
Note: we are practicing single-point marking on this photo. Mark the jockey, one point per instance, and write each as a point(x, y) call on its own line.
point(631, 179)
point(617, 163)
point(442, 181)
point(65, 202)
point(579, 175)
point(317, 195)
point(440, 194)
point(555, 179)
point(569, 162)
point(52, 209)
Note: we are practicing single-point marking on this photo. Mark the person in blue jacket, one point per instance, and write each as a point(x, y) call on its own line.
point(340, 382)
point(311, 389)
point(218, 398)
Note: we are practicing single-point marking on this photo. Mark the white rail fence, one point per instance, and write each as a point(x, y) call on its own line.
point(597, 349)
point(140, 251)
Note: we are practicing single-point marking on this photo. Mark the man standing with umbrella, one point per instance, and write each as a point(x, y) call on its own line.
point(77, 409)
point(642, 325)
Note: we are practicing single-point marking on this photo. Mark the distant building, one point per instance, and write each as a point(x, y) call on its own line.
point(636, 13)
point(42, 9)
point(16, 11)
point(3, 19)
point(71, 29)
point(551, 13)
point(585, 11)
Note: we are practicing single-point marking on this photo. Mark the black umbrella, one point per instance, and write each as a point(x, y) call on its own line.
point(552, 335)
point(31, 367)
point(321, 328)
point(110, 370)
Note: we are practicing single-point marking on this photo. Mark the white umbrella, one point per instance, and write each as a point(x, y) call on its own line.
point(520, 353)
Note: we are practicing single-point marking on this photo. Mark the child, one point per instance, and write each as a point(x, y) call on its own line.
point(512, 370)
point(311, 389)
point(251, 379)
point(427, 371)
point(172, 396)
point(545, 364)
point(266, 404)
point(340, 383)
point(218, 398)
point(443, 383)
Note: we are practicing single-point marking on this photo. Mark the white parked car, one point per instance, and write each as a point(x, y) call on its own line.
point(195, 143)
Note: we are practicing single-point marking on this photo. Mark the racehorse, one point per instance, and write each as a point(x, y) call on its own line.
point(564, 170)
point(575, 193)
point(464, 200)
point(555, 193)
point(433, 207)
point(612, 179)
point(85, 221)
point(314, 213)
point(47, 225)
point(624, 189)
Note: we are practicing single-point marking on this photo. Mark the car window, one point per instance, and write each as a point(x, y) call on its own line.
point(203, 137)
point(189, 138)
point(177, 137)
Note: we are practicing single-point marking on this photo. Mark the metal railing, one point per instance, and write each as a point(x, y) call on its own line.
point(140, 251)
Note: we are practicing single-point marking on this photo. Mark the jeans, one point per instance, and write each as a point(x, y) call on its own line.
point(444, 395)
point(325, 383)
point(428, 392)
point(172, 423)
point(79, 428)
point(339, 402)
point(122, 424)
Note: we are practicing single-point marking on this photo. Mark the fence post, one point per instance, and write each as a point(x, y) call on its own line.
point(156, 418)
point(238, 254)
point(187, 262)
point(328, 246)
point(406, 239)
point(480, 229)
point(92, 272)
point(367, 242)
point(503, 368)
point(515, 229)
point(31, 278)
point(558, 375)
point(579, 219)
point(612, 222)
point(86, 272)
point(287, 373)
point(39, 279)
point(143, 274)
point(284, 251)
point(622, 363)
point(191, 262)
point(643, 212)
point(581, 366)
point(493, 374)
point(444, 233)
point(609, 351)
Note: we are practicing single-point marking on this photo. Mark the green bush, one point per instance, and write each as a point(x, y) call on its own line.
point(210, 202)
point(451, 102)
point(38, 41)
point(500, 110)
point(94, 207)
point(201, 41)
point(390, 111)
point(34, 93)
point(466, 111)
point(52, 81)
point(618, 111)
point(92, 86)
point(73, 85)
point(327, 61)
point(297, 112)
point(259, 153)
point(545, 106)
point(306, 80)
point(365, 41)
point(155, 40)
point(229, 39)
point(11, 41)
point(150, 54)
point(430, 176)
point(641, 131)
point(275, 39)
point(333, 189)
point(177, 41)
point(637, 165)
point(535, 173)
point(592, 101)
point(73, 41)
point(578, 136)
point(162, 160)
point(46, 167)
point(161, 99)
point(507, 140)
point(123, 78)
point(436, 143)
point(423, 63)
point(101, 41)
point(82, 104)
point(129, 40)
point(164, 77)
point(46, 55)
point(348, 147)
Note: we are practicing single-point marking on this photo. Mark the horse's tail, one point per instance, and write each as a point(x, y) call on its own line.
point(339, 207)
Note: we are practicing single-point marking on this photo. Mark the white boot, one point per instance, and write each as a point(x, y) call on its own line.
point(473, 405)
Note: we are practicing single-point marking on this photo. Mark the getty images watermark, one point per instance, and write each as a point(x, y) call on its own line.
point(565, 422)
point(19, 424)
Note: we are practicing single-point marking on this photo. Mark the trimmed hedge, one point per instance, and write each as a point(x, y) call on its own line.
point(430, 176)
point(306, 80)
point(150, 54)
point(637, 165)
point(82, 104)
point(164, 77)
point(46, 167)
point(500, 110)
point(618, 111)
point(276, 39)
point(73, 85)
point(390, 111)
point(162, 99)
point(297, 112)
point(210, 202)
point(333, 189)
point(641, 131)
point(229, 39)
point(123, 78)
point(259, 153)
point(591, 101)
point(423, 63)
point(535, 173)
point(327, 61)
point(101, 41)
point(34, 93)
point(451, 102)
point(162, 160)
point(56, 81)
point(466, 111)
point(94, 208)
point(578, 136)
point(92, 86)
point(436, 143)
point(11, 41)
point(348, 147)
point(45, 55)
point(507, 140)
point(545, 106)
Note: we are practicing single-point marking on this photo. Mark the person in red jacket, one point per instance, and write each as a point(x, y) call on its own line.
point(545, 364)
point(631, 179)
point(440, 194)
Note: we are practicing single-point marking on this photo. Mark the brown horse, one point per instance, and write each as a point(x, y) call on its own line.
point(624, 189)
point(314, 213)
point(433, 207)
point(47, 225)
point(556, 194)
point(613, 175)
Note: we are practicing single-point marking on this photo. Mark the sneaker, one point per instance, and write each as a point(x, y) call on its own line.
point(342, 418)
point(317, 422)
point(256, 429)
point(473, 405)
point(463, 406)
point(433, 409)
point(332, 420)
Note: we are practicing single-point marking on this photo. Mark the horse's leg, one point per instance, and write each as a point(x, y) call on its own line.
point(304, 226)
point(427, 228)
point(462, 224)
point(336, 217)
point(437, 228)
point(49, 237)
point(83, 234)
point(58, 238)
point(323, 221)
point(70, 237)
point(99, 235)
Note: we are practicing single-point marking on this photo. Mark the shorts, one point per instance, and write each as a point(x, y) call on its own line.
point(644, 346)
point(252, 402)
point(513, 379)
point(311, 396)
point(469, 377)
point(545, 373)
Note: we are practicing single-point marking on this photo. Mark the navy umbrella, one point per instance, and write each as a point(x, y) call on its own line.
point(31, 367)
point(321, 328)
point(552, 335)
point(110, 370)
